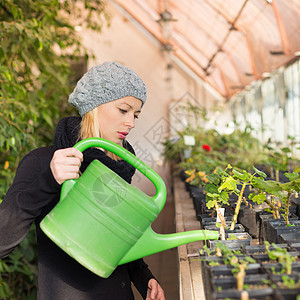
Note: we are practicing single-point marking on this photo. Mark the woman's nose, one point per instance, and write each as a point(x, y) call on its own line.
point(130, 122)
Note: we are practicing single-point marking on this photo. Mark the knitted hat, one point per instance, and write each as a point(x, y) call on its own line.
point(104, 83)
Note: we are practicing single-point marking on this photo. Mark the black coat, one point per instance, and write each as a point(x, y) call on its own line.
point(32, 195)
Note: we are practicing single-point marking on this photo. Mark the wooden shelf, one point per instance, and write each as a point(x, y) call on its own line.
point(191, 285)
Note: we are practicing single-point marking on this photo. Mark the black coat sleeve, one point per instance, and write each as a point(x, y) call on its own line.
point(140, 276)
point(33, 188)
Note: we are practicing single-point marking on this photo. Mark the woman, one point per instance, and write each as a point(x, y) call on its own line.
point(108, 98)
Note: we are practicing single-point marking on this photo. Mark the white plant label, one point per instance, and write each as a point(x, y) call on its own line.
point(189, 140)
point(222, 211)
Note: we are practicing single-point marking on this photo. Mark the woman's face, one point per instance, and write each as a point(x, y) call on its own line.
point(117, 118)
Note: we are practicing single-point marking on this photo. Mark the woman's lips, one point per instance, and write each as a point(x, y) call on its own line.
point(122, 135)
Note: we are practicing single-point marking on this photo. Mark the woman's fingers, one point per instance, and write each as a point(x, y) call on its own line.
point(155, 292)
point(65, 164)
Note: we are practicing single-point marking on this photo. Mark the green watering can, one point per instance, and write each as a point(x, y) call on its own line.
point(102, 221)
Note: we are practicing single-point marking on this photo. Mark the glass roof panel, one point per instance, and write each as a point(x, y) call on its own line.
point(226, 43)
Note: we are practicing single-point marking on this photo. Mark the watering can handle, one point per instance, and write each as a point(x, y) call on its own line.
point(160, 197)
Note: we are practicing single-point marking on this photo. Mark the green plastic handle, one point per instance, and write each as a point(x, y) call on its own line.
point(161, 192)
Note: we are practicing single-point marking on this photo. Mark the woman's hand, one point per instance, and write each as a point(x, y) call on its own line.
point(155, 292)
point(65, 164)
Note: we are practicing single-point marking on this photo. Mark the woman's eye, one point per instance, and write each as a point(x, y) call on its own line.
point(123, 111)
point(136, 117)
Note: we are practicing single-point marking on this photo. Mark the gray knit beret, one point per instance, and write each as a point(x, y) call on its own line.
point(104, 83)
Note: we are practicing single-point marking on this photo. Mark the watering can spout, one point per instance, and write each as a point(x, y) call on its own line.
point(151, 242)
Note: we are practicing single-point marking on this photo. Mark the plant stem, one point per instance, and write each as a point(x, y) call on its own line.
point(287, 263)
point(222, 219)
point(271, 172)
point(240, 277)
point(287, 208)
point(238, 206)
point(276, 210)
point(277, 175)
point(244, 295)
point(273, 207)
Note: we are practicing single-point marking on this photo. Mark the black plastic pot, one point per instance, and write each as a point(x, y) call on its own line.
point(237, 228)
point(295, 246)
point(296, 201)
point(247, 217)
point(259, 294)
point(288, 294)
point(198, 204)
point(277, 267)
point(183, 175)
point(230, 282)
point(290, 238)
point(226, 270)
point(196, 191)
point(265, 220)
point(274, 267)
point(261, 249)
point(239, 239)
point(273, 228)
point(207, 219)
point(221, 276)
point(264, 258)
point(260, 218)
point(290, 290)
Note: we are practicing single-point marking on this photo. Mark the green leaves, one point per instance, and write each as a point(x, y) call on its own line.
point(258, 198)
point(218, 191)
point(211, 188)
point(229, 184)
point(293, 176)
point(293, 184)
point(34, 86)
point(260, 173)
point(269, 186)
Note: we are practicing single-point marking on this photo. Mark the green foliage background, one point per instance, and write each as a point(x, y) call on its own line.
point(37, 38)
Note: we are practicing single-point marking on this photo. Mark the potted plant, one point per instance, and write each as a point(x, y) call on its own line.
point(233, 274)
point(284, 267)
point(277, 196)
point(217, 195)
point(222, 184)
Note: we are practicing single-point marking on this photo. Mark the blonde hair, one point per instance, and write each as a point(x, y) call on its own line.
point(89, 127)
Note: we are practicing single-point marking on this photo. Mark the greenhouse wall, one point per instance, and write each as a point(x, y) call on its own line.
point(167, 82)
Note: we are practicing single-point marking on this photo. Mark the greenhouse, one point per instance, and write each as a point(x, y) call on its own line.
point(200, 200)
